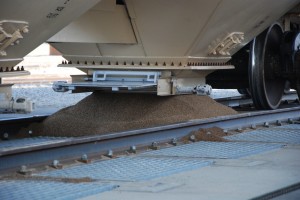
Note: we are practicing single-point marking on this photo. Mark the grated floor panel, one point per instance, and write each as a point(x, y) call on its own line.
point(130, 168)
point(216, 150)
point(289, 134)
point(290, 126)
point(47, 190)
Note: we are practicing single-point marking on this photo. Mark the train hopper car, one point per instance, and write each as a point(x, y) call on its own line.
point(167, 47)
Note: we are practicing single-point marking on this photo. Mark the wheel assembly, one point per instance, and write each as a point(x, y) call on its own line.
point(290, 53)
point(298, 89)
point(266, 83)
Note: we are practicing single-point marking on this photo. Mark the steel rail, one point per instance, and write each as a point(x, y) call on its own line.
point(279, 192)
point(73, 148)
point(242, 100)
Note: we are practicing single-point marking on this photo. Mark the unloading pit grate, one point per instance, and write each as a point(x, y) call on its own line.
point(163, 162)
point(290, 126)
point(289, 134)
point(221, 150)
point(130, 168)
point(47, 190)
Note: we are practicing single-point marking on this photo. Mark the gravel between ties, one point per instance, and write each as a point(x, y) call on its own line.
point(101, 113)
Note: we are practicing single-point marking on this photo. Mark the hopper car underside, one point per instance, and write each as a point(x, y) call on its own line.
point(164, 47)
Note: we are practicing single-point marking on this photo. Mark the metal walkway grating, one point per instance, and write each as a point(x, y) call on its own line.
point(289, 134)
point(290, 126)
point(155, 164)
point(221, 150)
point(130, 168)
point(35, 141)
point(47, 190)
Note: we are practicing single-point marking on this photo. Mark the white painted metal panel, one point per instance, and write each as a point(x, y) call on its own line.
point(44, 19)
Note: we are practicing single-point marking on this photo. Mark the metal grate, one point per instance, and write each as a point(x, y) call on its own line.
point(163, 162)
point(130, 168)
point(215, 150)
point(47, 190)
point(289, 134)
point(290, 126)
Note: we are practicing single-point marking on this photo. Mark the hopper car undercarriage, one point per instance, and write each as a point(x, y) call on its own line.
point(163, 47)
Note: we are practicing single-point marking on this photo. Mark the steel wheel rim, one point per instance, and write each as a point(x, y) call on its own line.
point(266, 89)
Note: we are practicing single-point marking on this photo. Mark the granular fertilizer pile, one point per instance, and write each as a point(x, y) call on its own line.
point(109, 112)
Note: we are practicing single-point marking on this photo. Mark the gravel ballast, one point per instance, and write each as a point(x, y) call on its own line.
point(101, 113)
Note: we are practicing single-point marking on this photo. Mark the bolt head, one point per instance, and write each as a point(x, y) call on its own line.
point(154, 144)
point(133, 148)
point(266, 124)
point(55, 163)
point(278, 122)
point(25, 30)
point(110, 153)
point(84, 157)
point(5, 136)
point(23, 168)
point(192, 138)
point(3, 53)
point(174, 141)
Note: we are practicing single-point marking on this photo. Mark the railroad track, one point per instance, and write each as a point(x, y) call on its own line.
point(243, 100)
point(41, 152)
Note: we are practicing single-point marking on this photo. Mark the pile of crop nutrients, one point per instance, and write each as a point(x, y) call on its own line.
point(102, 113)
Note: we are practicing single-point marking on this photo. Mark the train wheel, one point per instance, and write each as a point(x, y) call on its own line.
point(287, 87)
point(298, 89)
point(291, 58)
point(265, 86)
point(297, 66)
